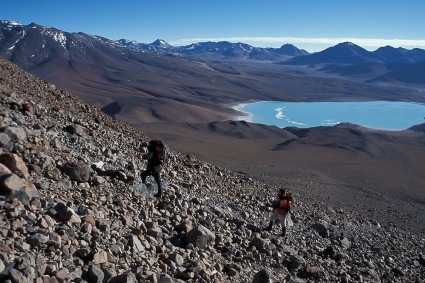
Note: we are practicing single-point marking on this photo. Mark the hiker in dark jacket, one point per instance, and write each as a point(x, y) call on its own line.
point(280, 210)
point(155, 157)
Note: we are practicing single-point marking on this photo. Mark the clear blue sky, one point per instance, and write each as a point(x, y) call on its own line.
point(310, 24)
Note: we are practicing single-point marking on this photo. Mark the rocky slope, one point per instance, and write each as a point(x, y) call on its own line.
point(72, 210)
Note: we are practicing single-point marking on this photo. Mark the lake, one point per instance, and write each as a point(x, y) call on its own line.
point(386, 115)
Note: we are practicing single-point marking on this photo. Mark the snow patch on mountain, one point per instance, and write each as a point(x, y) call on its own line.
point(19, 39)
point(57, 36)
point(8, 24)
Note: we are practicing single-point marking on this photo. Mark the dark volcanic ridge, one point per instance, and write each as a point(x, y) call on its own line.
point(71, 210)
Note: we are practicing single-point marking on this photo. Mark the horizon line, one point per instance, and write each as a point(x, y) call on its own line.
point(273, 41)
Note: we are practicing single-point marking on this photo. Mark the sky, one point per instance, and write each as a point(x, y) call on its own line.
point(313, 25)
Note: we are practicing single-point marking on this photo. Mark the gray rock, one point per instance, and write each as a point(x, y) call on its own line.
point(77, 130)
point(95, 274)
point(136, 245)
point(16, 276)
point(321, 229)
point(177, 259)
point(62, 275)
point(2, 267)
point(79, 172)
point(262, 276)
point(155, 232)
point(16, 134)
point(200, 237)
point(184, 227)
point(12, 186)
point(116, 249)
point(345, 243)
point(4, 139)
point(369, 272)
point(259, 242)
point(297, 262)
point(37, 239)
point(76, 275)
point(128, 277)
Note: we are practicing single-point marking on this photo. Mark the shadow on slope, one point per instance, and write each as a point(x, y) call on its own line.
point(342, 136)
point(242, 130)
point(405, 73)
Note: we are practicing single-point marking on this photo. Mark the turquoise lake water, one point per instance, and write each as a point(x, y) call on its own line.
point(375, 115)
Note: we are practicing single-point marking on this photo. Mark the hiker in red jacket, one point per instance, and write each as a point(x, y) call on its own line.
point(280, 207)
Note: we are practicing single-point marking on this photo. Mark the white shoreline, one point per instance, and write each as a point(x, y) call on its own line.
point(246, 116)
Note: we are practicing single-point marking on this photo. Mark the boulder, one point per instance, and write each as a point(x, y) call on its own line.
point(95, 274)
point(37, 239)
point(77, 130)
point(262, 276)
point(200, 237)
point(4, 139)
point(78, 172)
point(128, 277)
point(100, 257)
point(321, 229)
point(14, 187)
point(16, 134)
point(15, 164)
point(297, 262)
point(136, 245)
point(63, 212)
point(4, 170)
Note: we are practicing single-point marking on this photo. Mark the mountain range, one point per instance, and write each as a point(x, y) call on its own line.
point(222, 49)
point(397, 64)
point(32, 46)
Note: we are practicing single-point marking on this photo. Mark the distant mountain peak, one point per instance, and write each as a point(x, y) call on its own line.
point(35, 25)
point(342, 53)
point(349, 48)
point(347, 44)
point(127, 41)
point(292, 50)
point(160, 43)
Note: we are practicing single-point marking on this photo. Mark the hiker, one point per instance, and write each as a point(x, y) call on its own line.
point(155, 156)
point(280, 206)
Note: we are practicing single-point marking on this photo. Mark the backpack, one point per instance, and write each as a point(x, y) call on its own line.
point(290, 201)
point(159, 151)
